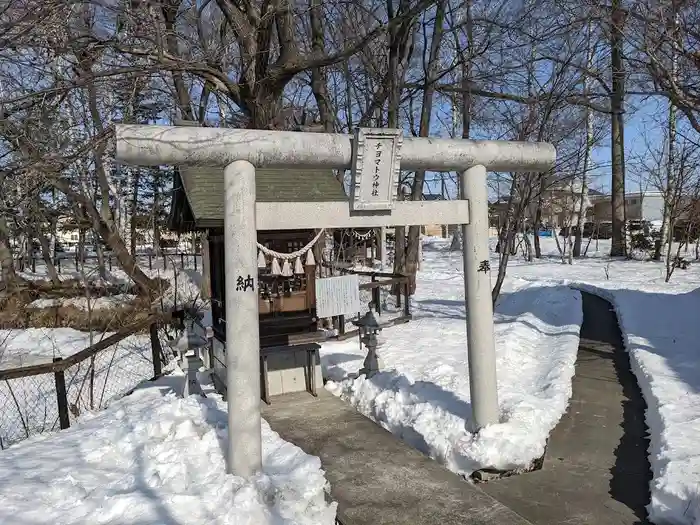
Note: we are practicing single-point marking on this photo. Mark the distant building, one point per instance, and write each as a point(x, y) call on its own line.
point(68, 233)
point(436, 230)
point(640, 206)
point(561, 205)
point(433, 230)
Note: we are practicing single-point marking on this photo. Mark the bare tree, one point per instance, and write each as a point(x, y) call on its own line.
point(430, 64)
point(681, 203)
point(617, 106)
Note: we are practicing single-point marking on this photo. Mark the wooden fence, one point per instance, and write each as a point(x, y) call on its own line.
point(64, 260)
point(26, 393)
point(379, 282)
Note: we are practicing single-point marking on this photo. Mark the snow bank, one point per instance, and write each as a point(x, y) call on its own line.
point(184, 282)
point(661, 334)
point(34, 346)
point(423, 393)
point(660, 330)
point(83, 303)
point(153, 458)
point(28, 404)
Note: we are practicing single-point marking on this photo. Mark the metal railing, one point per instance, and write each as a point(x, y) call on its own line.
point(64, 260)
point(48, 396)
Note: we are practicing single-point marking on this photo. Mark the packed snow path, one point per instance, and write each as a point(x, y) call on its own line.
point(596, 468)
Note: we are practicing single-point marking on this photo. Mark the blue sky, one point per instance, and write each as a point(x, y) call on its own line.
point(644, 125)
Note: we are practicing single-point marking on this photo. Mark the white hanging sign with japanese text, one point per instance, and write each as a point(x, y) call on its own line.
point(375, 168)
point(337, 296)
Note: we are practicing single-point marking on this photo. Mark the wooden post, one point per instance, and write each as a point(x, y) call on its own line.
point(210, 349)
point(195, 262)
point(33, 264)
point(61, 396)
point(150, 262)
point(376, 296)
point(109, 259)
point(310, 286)
point(182, 260)
point(156, 351)
point(341, 325)
point(407, 298)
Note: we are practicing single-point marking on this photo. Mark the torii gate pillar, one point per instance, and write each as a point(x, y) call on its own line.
point(376, 157)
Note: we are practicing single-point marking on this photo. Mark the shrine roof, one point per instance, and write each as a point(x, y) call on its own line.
point(198, 192)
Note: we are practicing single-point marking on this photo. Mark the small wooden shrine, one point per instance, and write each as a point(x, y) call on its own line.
point(286, 258)
point(355, 246)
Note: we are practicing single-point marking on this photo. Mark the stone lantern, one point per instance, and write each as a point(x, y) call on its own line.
point(368, 330)
point(188, 347)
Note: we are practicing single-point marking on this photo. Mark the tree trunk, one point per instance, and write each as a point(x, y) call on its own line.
point(617, 99)
point(583, 208)
point(670, 261)
point(111, 237)
point(528, 247)
point(413, 243)
point(103, 220)
point(156, 210)
point(170, 10)
point(101, 266)
point(538, 219)
point(505, 240)
point(668, 189)
point(80, 249)
point(27, 248)
point(562, 251)
point(136, 181)
point(21, 251)
point(46, 255)
point(587, 152)
point(400, 50)
point(319, 84)
point(7, 267)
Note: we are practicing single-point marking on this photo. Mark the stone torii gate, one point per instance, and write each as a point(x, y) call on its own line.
point(376, 157)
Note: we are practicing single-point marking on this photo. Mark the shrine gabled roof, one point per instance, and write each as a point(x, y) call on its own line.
point(201, 189)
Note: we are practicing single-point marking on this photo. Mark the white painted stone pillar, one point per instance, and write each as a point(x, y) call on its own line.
point(477, 291)
point(242, 328)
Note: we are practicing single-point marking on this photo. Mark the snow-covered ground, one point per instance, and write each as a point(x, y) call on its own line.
point(661, 334)
point(660, 327)
point(183, 281)
point(35, 346)
point(28, 404)
point(154, 458)
point(423, 394)
point(84, 303)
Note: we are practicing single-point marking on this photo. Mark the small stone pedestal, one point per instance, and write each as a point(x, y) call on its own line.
point(191, 363)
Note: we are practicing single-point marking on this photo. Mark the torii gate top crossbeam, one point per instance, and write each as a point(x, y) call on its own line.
point(177, 145)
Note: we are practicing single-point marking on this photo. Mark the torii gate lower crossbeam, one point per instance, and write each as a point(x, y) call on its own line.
point(240, 151)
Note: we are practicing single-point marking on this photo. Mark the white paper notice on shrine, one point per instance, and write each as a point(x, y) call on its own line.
point(375, 169)
point(337, 296)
